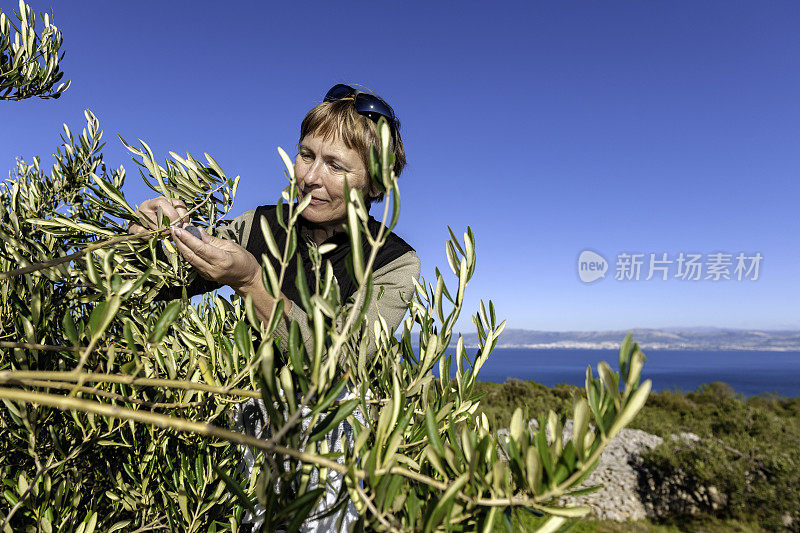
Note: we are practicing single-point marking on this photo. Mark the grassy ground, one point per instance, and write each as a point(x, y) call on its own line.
point(749, 451)
point(523, 523)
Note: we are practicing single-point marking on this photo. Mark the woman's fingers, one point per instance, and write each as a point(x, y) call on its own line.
point(180, 208)
point(199, 254)
point(191, 257)
point(168, 210)
point(216, 242)
point(136, 229)
point(216, 259)
point(146, 217)
point(172, 208)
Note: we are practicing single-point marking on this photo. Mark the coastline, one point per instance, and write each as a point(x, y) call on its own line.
point(699, 338)
point(648, 346)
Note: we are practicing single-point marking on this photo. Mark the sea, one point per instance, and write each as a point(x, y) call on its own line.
point(748, 372)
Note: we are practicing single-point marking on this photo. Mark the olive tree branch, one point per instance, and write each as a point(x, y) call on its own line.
point(9, 377)
point(360, 295)
point(209, 430)
point(101, 244)
point(107, 394)
point(40, 471)
point(379, 515)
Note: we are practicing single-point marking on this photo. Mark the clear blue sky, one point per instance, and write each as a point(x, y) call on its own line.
point(549, 128)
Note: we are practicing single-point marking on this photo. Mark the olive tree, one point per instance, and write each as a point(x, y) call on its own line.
point(119, 406)
point(29, 61)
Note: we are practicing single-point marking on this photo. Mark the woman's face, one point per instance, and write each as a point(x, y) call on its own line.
point(320, 167)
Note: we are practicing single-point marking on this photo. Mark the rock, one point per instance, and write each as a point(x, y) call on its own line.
point(618, 499)
point(686, 437)
point(630, 491)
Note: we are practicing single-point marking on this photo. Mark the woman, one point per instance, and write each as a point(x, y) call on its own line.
point(335, 139)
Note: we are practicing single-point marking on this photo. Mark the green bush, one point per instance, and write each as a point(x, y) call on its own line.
point(500, 400)
point(748, 449)
point(749, 452)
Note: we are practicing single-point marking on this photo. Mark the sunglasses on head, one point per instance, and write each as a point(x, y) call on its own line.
point(366, 104)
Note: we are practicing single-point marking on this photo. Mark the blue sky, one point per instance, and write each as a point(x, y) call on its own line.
point(549, 128)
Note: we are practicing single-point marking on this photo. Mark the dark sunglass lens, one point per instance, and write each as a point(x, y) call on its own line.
point(337, 92)
point(374, 117)
point(370, 105)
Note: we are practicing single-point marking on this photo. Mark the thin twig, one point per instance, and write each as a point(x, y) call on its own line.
point(76, 255)
point(359, 301)
point(209, 430)
point(380, 516)
point(41, 347)
point(84, 357)
point(111, 395)
point(40, 472)
point(292, 420)
point(149, 527)
point(54, 348)
point(163, 421)
point(9, 377)
point(108, 242)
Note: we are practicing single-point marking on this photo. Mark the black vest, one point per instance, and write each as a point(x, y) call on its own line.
point(257, 245)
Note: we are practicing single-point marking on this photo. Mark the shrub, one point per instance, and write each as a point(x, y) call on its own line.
point(748, 453)
point(745, 469)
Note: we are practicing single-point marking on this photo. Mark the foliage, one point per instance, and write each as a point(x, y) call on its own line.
point(419, 460)
point(500, 400)
point(119, 407)
point(80, 467)
point(748, 452)
point(523, 523)
point(748, 448)
point(29, 61)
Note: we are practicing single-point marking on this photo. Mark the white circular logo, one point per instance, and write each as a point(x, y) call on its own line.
point(591, 266)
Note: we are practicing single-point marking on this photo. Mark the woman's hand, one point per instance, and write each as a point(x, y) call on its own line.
point(172, 208)
point(218, 260)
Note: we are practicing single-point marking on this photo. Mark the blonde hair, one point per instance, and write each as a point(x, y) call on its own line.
point(358, 132)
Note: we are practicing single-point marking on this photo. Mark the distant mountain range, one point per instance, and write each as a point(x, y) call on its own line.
point(654, 339)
